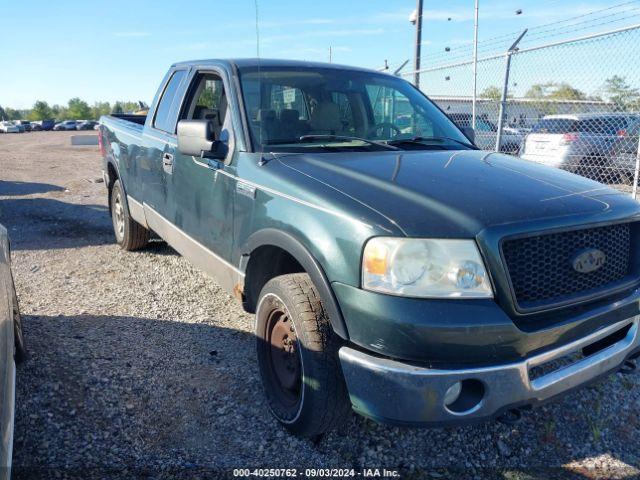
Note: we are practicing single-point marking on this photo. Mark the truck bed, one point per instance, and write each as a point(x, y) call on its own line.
point(131, 126)
point(129, 117)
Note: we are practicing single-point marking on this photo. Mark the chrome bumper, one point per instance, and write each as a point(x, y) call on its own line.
point(394, 392)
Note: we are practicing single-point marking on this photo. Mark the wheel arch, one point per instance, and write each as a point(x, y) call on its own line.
point(266, 241)
point(113, 174)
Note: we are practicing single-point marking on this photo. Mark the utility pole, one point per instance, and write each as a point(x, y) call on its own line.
point(416, 63)
point(330, 54)
point(475, 66)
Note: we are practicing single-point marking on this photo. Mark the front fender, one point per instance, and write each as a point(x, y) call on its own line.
point(287, 242)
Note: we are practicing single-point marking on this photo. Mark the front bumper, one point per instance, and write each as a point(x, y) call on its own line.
point(460, 334)
point(389, 391)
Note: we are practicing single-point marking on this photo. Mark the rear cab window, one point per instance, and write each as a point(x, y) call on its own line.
point(391, 106)
point(284, 97)
point(166, 112)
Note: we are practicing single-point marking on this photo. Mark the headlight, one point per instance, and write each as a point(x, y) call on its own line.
point(425, 268)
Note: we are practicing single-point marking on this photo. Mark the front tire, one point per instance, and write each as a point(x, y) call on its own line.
point(130, 235)
point(298, 357)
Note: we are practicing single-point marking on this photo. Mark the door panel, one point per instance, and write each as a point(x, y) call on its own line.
point(203, 198)
point(203, 192)
point(160, 139)
point(157, 191)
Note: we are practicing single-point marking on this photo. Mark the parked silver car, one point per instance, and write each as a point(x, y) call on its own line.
point(579, 143)
point(625, 150)
point(66, 125)
point(11, 350)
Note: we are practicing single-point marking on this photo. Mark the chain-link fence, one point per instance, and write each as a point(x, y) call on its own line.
point(573, 104)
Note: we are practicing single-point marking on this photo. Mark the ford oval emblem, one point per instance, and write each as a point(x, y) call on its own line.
point(589, 260)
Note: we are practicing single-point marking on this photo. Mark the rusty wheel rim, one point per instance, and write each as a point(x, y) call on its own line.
point(285, 366)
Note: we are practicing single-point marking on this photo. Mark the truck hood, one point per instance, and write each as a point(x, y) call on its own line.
point(455, 193)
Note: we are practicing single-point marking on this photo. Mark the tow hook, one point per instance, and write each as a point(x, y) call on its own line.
point(511, 417)
point(628, 367)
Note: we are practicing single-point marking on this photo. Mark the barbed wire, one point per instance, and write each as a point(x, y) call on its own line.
point(547, 34)
point(527, 39)
point(491, 44)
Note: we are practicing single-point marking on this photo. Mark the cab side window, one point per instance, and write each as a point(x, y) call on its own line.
point(165, 112)
point(208, 101)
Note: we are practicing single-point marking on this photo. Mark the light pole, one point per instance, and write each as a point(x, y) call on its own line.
point(475, 66)
point(417, 20)
point(505, 89)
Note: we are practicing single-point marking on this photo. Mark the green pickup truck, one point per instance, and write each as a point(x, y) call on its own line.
point(392, 266)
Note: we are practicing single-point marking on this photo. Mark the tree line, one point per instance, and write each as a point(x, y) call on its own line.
point(76, 109)
point(616, 90)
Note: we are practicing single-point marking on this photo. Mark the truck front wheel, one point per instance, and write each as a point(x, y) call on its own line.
point(130, 235)
point(298, 357)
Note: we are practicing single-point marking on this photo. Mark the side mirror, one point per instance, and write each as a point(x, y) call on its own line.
point(470, 133)
point(196, 138)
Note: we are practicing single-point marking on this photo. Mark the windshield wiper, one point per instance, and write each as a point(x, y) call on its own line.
point(346, 138)
point(423, 140)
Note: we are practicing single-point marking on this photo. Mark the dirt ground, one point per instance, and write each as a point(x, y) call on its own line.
point(141, 367)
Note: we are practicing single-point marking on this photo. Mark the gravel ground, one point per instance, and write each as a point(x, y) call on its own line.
point(142, 367)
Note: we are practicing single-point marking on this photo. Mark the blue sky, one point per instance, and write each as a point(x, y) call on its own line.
point(120, 49)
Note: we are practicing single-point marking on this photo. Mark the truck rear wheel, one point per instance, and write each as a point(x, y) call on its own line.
point(298, 357)
point(130, 235)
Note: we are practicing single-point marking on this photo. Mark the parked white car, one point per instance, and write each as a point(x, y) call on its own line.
point(580, 143)
point(9, 127)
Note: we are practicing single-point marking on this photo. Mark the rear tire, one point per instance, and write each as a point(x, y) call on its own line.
point(298, 357)
point(130, 235)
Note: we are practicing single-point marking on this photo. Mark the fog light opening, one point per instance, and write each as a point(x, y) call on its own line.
point(464, 397)
point(453, 393)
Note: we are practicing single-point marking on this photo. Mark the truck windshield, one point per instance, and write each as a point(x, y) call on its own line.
point(289, 108)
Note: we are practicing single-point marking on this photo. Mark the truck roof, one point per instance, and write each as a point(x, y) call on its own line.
point(269, 62)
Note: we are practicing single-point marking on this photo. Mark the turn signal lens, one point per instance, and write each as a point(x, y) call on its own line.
point(375, 259)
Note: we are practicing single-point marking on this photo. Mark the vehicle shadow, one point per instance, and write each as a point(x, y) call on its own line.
point(102, 393)
point(16, 188)
point(157, 246)
point(117, 396)
point(45, 223)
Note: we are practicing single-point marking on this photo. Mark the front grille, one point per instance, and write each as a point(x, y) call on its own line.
point(541, 267)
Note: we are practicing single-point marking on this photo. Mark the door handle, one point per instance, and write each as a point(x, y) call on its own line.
point(167, 159)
